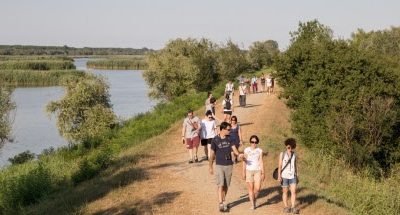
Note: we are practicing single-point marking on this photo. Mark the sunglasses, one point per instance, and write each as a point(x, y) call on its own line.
point(254, 142)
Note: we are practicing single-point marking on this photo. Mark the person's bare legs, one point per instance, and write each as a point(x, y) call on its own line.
point(191, 154)
point(284, 196)
point(209, 150)
point(250, 187)
point(293, 194)
point(196, 149)
point(206, 150)
point(257, 188)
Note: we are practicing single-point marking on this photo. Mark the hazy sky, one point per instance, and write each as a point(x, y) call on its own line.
point(151, 23)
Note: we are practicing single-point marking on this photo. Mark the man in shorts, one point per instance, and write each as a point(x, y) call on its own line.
point(221, 148)
point(190, 135)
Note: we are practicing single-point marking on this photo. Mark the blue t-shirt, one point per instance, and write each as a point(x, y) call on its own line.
point(222, 149)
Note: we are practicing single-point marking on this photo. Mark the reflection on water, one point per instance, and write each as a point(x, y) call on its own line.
point(34, 131)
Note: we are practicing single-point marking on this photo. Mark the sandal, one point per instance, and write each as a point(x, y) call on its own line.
point(286, 210)
point(196, 159)
point(190, 161)
point(295, 211)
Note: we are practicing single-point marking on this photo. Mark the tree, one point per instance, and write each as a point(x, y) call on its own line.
point(182, 65)
point(231, 61)
point(6, 106)
point(263, 53)
point(84, 113)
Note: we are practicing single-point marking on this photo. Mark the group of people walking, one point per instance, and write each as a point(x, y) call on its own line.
point(222, 144)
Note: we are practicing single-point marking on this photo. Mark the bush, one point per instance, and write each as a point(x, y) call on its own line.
point(6, 105)
point(23, 187)
point(22, 157)
point(85, 111)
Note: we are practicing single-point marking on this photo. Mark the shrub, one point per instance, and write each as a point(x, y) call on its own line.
point(22, 157)
point(6, 105)
point(24, 187)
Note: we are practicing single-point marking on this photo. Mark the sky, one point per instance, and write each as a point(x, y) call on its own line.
point(152, 23)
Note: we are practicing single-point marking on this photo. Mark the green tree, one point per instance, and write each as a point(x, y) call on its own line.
point(231, 61)
point(263, 53)
point(181, 66)
point(6, 106)
point(84, 113)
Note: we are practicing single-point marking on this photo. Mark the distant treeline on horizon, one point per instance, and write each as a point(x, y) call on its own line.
point(66, 50)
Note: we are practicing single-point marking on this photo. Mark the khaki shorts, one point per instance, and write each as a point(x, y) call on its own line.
point(253, 175)
point(223, 175)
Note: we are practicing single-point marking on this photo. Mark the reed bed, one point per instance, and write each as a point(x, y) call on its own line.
point(29, 78)
point(36, 65)
point(136, 63)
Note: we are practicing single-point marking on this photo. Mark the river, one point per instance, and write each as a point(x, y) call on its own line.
point(33, 130)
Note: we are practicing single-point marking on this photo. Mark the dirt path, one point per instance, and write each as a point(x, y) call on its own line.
point(172, 186)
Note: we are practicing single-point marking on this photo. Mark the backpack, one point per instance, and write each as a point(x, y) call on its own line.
point(228, 104)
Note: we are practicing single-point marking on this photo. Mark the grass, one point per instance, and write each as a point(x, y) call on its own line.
point(68, 167)
point(27, 78)
point(123, 63)
point(28, 64)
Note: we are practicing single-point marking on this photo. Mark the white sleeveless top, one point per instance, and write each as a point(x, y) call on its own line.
point(289, 171)
point(253, 158)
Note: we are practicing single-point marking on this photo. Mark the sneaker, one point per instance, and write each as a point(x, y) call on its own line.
point(226, 208)
point(196, 160)
point(295, 211)
point(190, 161)
point(221, 207)
point(286, 210)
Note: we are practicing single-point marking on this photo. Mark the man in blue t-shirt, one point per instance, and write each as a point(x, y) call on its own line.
point(221, 148)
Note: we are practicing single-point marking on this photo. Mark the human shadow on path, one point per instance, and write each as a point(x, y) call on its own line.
point(143, 206)
point(251, 105)
point(246, 123)
point(264, 192)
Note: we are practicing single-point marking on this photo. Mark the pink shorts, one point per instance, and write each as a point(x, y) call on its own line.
point(192, 142)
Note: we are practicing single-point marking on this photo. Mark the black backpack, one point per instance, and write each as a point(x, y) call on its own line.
point(228, 104)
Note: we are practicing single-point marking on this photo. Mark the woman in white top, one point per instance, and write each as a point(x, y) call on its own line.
point(208, 132)
point(253, 169)
point(288, 174)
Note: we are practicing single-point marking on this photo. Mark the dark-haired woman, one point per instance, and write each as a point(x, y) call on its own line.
point(253, 169)
point(236, 135)
point(288, 175)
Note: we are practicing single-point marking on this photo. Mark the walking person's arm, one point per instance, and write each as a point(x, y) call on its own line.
point(280, 167)
point(237, 153)
point(183, 133)
point(240, 136)
point(262, 166)
point(244, 170)
point(211, 161)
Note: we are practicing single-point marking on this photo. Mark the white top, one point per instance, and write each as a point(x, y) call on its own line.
point(207, 129)
point(223, 104)
point(229, 87)
point(269, 82)
point(254, 80)
point(253, 158)
point(290, 170)
point(242, 90)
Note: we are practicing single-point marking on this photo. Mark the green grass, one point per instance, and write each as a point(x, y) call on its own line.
point(132, 63)
point(359, 193)
point(29, 78)
point(27, 64)
point(68, 167)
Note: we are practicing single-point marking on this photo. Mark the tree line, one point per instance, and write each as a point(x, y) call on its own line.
point(66, 50)
point(186, 65)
